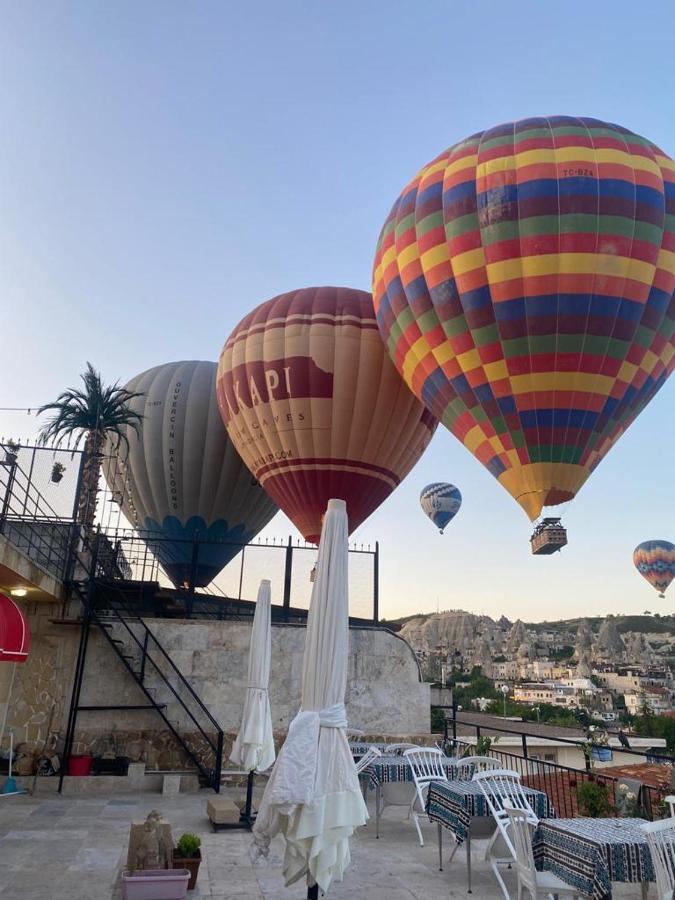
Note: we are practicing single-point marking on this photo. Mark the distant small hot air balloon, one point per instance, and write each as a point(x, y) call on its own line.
point(182, 476)
point(523, 283)
point(655, 561)
point(441, 502)
point(316, 408)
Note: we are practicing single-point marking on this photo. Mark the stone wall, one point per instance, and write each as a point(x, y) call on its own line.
point(384, 693)
point(38, 703)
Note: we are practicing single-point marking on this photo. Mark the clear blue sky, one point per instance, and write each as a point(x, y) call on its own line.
point(165, 167)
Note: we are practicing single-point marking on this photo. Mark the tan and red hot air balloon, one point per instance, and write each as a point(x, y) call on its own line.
point(316, 409)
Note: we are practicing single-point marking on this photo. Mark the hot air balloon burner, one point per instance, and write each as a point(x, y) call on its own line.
point(548, 537)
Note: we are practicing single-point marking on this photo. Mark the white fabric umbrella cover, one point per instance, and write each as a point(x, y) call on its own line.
point(313, 796)
point(253, 749)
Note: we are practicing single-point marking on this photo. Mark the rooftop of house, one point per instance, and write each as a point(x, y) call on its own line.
point(509, 732)
point(653, 774)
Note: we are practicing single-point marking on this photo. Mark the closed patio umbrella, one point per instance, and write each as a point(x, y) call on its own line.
point(253, 749)
point(313, 796)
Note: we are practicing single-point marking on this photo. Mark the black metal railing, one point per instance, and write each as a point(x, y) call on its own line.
point(203, 736)
point(139, 650)
point(559, 782)
point(30, 522)
point(191, 566)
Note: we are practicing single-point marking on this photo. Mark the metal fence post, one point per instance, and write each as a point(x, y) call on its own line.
point(78, 488)
point(241, 571)
point(288, 573)
point(190, 599)
point(376, 583)
point(8, 494)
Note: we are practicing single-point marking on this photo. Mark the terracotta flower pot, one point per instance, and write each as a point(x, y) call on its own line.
point(191, 864)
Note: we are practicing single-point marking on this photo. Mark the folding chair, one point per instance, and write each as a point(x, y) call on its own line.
point(536, 884)
point(500, 786)
point(661, 841)
point(426, 765)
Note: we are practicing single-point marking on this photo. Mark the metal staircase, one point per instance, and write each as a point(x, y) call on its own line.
point(88, 567)
point(164, 687)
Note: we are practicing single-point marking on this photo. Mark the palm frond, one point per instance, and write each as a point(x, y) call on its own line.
point(94, 408)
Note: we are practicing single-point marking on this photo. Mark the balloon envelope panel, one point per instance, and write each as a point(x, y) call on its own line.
point(523, 283)
point(316, 408)
point(441, 502)
point(182, 476)
point(655, 561)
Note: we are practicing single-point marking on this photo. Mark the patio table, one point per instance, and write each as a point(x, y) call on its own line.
point(360, 748)
point(396, 768)
point(454, 804)
point(590, 854)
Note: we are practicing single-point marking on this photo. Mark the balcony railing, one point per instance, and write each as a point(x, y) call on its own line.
point(560, 782)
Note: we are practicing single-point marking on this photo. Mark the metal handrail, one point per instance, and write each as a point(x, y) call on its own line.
point(136, 617)
point(547, 771)
point(139, 644)
point(578, 742)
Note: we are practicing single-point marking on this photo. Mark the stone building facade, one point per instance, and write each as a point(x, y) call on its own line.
point(385, 694)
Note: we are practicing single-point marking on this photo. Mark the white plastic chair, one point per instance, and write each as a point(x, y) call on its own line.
point(398, 749)
point(394, 793)
point(661, 841)
point(535, 884)
point(367, 759)
point(426, 765)
point(467, 766)
point(499, 787)
point(670, 800)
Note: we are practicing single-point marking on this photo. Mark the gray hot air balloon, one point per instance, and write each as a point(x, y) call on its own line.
point(182, 475)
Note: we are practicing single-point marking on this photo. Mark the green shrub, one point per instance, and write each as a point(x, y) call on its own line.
point(437, 720)
point(188, 846)
point(593, 800)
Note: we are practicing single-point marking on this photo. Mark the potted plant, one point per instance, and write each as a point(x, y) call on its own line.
point(484, 745)
point(187, 855)
point(155, 884)
point(593, 800)
point(11, 451)
point(627, 802)
point(57, 472)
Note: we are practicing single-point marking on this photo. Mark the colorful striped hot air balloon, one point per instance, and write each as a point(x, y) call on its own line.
point(316, 409)
point(655, 561)
point(523, 283)
point(441, 502)
point(181, 476)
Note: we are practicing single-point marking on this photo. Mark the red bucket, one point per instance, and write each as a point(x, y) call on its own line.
point(80, 765)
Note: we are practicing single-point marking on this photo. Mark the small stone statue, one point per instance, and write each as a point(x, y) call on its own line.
point(150, 843)
point(148, 852)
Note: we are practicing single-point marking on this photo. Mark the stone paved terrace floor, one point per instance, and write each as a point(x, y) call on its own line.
point(73, 848)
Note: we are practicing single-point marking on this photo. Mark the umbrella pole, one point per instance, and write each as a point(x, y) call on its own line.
point(312, 891)
point(249, 797)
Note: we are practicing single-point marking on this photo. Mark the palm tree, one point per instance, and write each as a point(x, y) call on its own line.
point(97, 411)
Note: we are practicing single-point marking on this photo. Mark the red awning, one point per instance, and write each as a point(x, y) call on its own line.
point(14, 633)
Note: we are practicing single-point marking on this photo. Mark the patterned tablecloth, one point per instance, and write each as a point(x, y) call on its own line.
point(590, 854)
point(360, 749)
point(397, 768)
point(455, 803)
